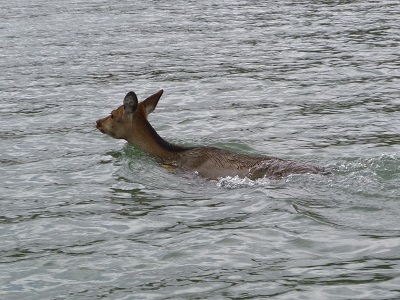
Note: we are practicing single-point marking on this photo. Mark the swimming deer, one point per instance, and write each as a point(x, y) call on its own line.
point(129, 122)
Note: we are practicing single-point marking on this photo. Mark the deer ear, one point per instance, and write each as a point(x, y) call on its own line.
point(150, 103)
point(130, 103)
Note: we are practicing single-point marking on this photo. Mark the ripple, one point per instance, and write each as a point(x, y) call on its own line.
point(86, 216)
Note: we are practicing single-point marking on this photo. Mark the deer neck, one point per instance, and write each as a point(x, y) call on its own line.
point(146, 138)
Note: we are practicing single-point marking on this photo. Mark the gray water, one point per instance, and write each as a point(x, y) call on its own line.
point(84, 216)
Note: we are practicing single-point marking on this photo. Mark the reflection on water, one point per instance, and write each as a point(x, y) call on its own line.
point(86, 216)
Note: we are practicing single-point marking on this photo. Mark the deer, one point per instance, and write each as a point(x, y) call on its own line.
point(130, 122)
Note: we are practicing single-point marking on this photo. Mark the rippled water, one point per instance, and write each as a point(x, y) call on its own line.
point(84, 216)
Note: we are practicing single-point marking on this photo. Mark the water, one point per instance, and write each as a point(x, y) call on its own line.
point(84, 216)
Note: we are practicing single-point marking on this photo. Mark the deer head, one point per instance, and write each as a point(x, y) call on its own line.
point(127, 121)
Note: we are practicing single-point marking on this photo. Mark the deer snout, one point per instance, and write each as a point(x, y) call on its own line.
point(99, 126)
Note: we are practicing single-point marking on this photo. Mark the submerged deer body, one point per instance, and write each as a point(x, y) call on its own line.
point(129, 122)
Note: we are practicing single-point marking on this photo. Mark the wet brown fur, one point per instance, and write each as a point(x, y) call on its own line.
point(129, 122)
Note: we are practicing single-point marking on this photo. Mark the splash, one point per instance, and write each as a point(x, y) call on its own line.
point(237, 182)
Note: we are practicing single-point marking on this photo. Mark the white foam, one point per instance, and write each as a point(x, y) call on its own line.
point(237, 182)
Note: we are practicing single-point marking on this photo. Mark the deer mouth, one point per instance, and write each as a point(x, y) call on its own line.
point(101, 130)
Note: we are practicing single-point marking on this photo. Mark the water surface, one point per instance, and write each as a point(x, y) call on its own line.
point(84, 216)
